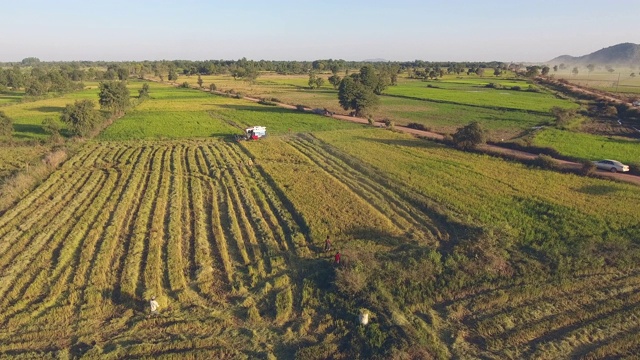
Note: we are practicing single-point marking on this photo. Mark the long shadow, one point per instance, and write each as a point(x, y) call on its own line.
point(597, 189)
point(499, 108)
point(29, 128)
point(49, 109)
point(254, 108)
point(414, 143)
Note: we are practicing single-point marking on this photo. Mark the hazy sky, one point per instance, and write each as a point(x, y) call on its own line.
point(457, 30)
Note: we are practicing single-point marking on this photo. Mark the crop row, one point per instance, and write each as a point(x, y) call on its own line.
point(573, 318)
point(185, 222)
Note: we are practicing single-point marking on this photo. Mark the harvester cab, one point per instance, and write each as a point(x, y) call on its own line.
point(255, 132)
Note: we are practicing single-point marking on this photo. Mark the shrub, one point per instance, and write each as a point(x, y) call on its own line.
point(516, 88)
point(545, 162)
point(469, 137)
point(587, 169)
point(610, 111)
point(300, 107)
point(267, 102)
point(388, 123)
point(185, 85)
point(212, 87)
point(418, 126)
point(494, 86)
point(6, 124)
point(563, 116)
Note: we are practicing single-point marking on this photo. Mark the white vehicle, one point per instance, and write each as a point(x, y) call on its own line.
point(255, 132)
point(611, 165)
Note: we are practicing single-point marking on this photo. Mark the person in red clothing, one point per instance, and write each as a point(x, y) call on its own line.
point(337, 258)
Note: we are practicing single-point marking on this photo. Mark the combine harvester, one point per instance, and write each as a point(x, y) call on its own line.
point(254, 133)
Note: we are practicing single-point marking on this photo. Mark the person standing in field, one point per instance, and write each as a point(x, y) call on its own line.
point(327, 244)
point(153, 304)
point(337, 258)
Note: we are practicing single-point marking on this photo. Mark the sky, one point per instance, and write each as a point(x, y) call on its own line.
point(395, 30)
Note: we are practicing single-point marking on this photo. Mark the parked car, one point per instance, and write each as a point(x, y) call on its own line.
point(611, 165)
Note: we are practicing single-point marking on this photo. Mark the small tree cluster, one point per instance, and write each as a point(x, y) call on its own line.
point(315, 82)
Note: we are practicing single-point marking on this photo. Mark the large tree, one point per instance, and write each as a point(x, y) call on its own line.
point(354, 95)
point(470, 136)
point(114, 96)
point(81, 117)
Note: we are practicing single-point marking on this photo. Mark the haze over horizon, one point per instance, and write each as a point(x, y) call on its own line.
point(404, 30)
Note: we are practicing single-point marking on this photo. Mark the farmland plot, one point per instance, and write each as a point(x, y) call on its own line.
point(191, 223)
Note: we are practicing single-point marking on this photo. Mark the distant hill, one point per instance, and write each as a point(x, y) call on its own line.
point(621, 54)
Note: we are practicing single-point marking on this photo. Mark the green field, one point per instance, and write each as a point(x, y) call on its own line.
point(178, 113)
point(474, 93)
point(457, 101)
point(588, 146)
point(9, 97)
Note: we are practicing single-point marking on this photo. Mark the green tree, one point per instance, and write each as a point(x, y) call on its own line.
point(212, 87)
point(555, 68)
point(353, 95)
point(51, 126)
point(6, 124)
point(334, 80)
point(144, 92)
point(469, 136)
point(575, 71)
point(36, 87)
point(497, 71)
point(200, 82)
point(312, 80)
point(319, 82)
point(480, 71)
point(545, 70)
point(591, 67)
point(30, 61)
point(173, 75)
point(15, 78)
point(81, 117)
point(123, 73)
point(532, 71)
point(114, 96)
